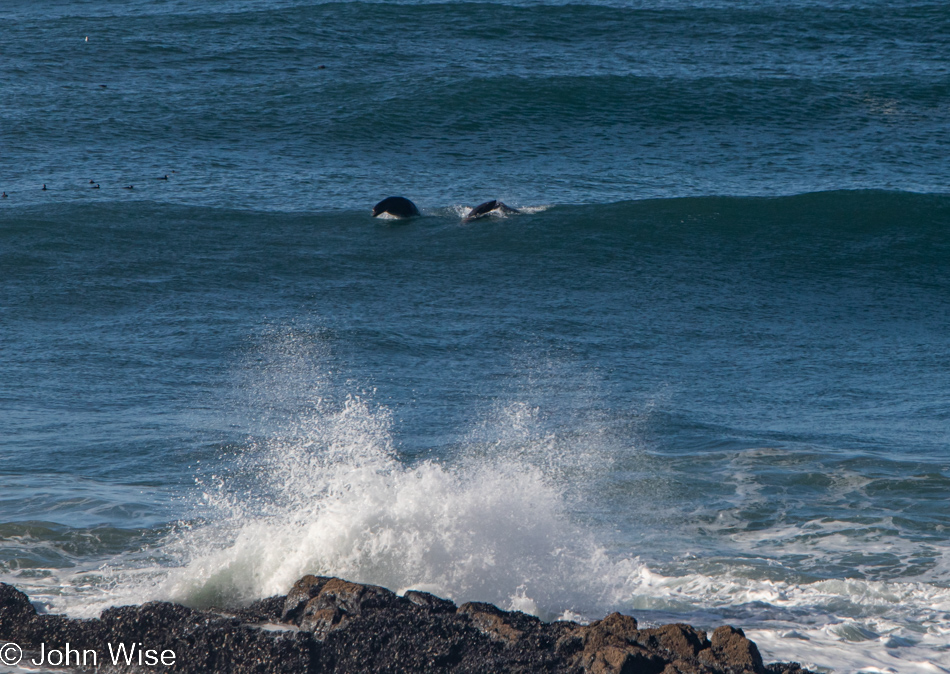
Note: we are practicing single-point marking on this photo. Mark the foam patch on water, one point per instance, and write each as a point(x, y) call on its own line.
point(530, 210)
point(841, 625)
point(822, 650)
point(461, 210)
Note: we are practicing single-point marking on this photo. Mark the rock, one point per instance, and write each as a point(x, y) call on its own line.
point(353, 598)
point(333, 626)
point(337, 601)
point(734, 651)
point(611, 647)
point(14, 605)
point(268, 610)
point(784, 668)
point(682, 641)
point(303, 591)
point(320, 620)
point(617, 630)
point(491, 620)
point(430, 602)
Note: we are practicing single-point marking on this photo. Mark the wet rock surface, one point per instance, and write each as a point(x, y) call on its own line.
point(333, 625)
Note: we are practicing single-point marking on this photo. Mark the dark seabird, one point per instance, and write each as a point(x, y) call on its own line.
point(487, 208)
point(96, 186)
point(129, 187)
point(4, 195)
point(44, 186)
point(399, 207)
point(165, 177)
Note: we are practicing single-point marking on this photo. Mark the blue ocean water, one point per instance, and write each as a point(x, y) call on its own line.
point(703, 376)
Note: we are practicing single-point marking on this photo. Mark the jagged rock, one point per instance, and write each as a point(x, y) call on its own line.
point(784, 668)
point(611, 647)
point(430, 602)
point(303, 591)
point(735, 651)
point(332, 626)
point(14, 605)
point(353, 598)
point(267, 610)
point(491, 620)
point(682, 641)
point(337, 601)
point(320, 620)
point(616, 630)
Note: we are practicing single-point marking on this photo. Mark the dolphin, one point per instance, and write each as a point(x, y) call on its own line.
point(399, 207)
point(487, 208)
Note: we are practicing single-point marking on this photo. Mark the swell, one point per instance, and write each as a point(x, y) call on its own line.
point(531, 65)
point(120, 255)
point(852, 211)
point(842, 211)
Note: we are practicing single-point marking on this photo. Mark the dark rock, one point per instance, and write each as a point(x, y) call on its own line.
point(14, 605)
point(616, 629)
point(734, 651)
point(332, 626)
point(610, 647)
point(784, 668)
point(354, 598)
point(303, 591)
point(320, 620)
point(430, 602)
point(267, 610)
point(682, 641)
point(492, 621)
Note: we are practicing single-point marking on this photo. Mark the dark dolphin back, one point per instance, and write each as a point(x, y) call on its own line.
point(487, 207)
point(482, 209)
point(398, 206)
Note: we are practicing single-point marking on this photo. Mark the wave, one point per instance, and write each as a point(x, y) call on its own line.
point(522, 75)
point(326, 491)
point(912, 218)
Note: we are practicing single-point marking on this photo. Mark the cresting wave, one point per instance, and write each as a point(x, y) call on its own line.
point(923, 216)
point(329, 493)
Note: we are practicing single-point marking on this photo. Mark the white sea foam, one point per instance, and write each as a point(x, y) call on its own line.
point(822, 650)
point(332, 498)
point(461, 210)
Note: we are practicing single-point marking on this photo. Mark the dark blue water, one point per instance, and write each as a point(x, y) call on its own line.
point(702, 376)
point(460, 102)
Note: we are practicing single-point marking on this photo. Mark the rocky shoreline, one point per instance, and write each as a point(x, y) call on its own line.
point(332, 625)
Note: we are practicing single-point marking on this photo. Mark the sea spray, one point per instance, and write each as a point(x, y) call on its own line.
point(332, 498)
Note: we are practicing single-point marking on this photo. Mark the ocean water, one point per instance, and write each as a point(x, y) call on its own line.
point(704, 376)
